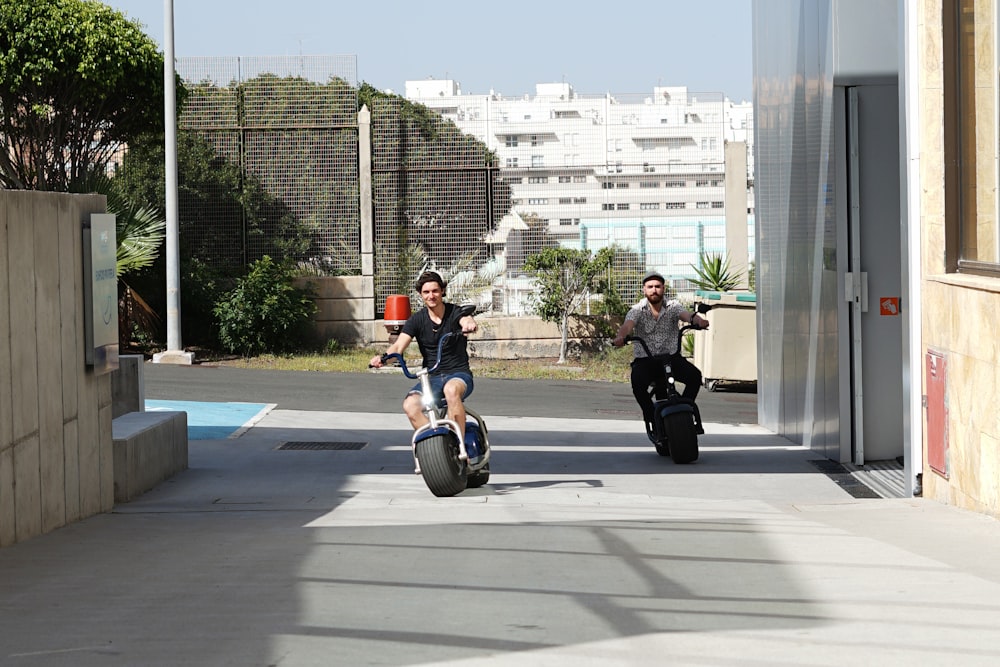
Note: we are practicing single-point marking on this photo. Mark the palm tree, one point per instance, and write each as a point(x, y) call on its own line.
point(139, 233)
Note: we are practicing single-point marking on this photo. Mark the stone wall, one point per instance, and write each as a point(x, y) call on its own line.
point(56, 464)
point(959, 311)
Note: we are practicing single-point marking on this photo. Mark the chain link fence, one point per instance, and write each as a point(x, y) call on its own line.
point(470, 188)
point(288, 126)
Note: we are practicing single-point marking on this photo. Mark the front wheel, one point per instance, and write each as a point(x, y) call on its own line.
point(443, 473)
point(682, 436)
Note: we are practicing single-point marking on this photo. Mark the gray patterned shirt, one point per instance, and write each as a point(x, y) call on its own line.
point(660, 334)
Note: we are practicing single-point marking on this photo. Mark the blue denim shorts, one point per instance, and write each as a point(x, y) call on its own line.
point(438, 381)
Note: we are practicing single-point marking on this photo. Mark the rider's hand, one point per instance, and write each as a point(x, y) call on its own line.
point(618, 341)
point(376, 362)
point(700, 322)
point(468, 324)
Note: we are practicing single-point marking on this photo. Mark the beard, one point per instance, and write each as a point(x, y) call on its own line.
point(654, 298)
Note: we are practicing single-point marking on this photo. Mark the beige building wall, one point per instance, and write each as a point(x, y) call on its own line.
point(960, 311)
point(56, 462)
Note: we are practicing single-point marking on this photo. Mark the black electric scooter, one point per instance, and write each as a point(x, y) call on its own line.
point(676, 421)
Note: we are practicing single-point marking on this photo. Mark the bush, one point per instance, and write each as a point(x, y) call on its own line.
point(265, 312)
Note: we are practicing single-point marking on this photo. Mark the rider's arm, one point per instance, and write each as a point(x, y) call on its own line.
point(694, 318)
point(400, 345)
point(624, 330)
point(468, 324)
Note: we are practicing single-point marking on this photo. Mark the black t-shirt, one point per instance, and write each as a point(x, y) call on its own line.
point(454, 354)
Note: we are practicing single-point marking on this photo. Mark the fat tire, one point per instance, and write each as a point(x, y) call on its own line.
point(682, 436)
point(479, 478)
point(443, 473)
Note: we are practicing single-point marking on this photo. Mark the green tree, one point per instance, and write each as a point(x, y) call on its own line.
point(564, 277)
point(265, 312)
point(78, 81)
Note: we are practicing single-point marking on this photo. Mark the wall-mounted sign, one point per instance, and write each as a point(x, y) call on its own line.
point(100, 293)
point(888, 305)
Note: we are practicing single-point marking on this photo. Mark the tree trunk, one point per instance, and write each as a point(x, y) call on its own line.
point(565, 337)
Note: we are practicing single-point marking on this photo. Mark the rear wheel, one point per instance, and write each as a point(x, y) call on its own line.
point(479, 478)
point(443, 473)
point(682, 436)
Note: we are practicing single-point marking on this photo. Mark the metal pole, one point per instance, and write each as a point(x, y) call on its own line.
point(174, 352)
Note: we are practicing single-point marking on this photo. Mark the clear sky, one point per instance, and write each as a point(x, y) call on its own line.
point(507, 47)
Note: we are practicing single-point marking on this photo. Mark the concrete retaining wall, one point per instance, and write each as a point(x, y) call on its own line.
point(346, 312)
point(56, 463)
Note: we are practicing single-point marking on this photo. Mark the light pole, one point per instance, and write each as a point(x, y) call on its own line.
point(174, 354)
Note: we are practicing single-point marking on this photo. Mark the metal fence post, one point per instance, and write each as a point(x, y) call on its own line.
point(366, 220)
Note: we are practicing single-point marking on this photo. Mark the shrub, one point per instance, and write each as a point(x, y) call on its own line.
point(265, 312)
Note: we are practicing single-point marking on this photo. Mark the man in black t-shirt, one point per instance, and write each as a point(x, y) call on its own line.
point(453, 377)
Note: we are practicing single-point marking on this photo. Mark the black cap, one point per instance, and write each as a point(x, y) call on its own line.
point(653, 275)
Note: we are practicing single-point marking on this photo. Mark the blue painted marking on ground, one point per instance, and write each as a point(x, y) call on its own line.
point(213, 421)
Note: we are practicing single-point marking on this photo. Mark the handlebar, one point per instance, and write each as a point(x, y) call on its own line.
point(402, 361)
point(464, 311)
point(699, 309)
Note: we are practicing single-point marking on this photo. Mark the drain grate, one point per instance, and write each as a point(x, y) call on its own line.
point(327, 446)
point(844, 479)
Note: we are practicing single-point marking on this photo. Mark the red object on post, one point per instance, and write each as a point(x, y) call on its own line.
point(397, 311)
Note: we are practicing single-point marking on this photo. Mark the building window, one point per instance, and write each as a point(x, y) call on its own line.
point(648, 168)
point(512, 163)
point(564, 179)
point(579, 179)
point(565, 222)
point(537, 202)
point(674, 184)
point(623, 184)
point(517, 180)
point(674, 205)
point(701, 183)
point(579, 200)
point(649, 184)
point(511, 140)
point(718, 204)
point(702, 204)
point(537, 161)
point(538, 179)
point(622, 207)
point(565, 200)
point(607, 185)
point(535, 141)
point(607, 207)
point(651, 206)
point(972, 225)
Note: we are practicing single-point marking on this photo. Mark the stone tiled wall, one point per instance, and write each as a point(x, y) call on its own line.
point(960, 312)
point(55, 415)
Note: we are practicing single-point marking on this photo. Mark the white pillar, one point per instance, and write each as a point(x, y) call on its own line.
point(174, 353)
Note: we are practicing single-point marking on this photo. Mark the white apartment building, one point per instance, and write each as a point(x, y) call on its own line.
point(643, 171)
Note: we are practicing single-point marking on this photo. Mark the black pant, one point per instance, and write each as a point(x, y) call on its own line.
point(646, 371)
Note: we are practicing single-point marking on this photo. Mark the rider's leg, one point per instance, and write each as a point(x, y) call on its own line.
point(688, 374)
point(642, 376)
point(414, 410)
point(454, 391)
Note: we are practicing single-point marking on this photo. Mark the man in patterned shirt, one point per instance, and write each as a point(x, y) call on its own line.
point(657, 323)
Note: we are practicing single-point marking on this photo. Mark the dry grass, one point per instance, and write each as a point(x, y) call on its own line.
point(611, 365)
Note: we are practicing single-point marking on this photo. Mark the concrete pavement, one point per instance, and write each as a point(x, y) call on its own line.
point(586, 548)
